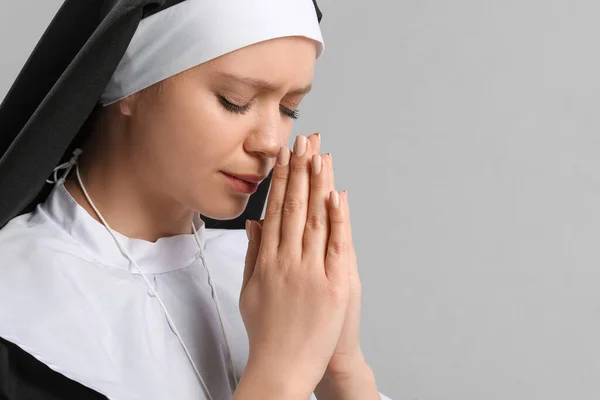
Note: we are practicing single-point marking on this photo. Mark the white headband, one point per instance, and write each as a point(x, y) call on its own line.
point(196, 31)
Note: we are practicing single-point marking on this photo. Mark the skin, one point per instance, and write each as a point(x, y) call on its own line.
point(179, 131)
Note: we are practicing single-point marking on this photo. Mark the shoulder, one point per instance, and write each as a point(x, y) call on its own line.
point(42, 307)
point(44, 270)
point(33, 234)
point(33, 248)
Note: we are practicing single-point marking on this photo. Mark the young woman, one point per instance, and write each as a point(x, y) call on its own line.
point(114, 287)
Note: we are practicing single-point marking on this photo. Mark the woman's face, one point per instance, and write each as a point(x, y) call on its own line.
point(227, 116)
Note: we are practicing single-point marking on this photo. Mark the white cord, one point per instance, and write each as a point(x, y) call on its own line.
point(216, 298)
point(73, 162)
point(68, 165)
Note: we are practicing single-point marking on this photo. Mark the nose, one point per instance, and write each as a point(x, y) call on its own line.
point(268, 135)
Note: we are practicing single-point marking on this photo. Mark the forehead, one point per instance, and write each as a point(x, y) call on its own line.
point(287, 61)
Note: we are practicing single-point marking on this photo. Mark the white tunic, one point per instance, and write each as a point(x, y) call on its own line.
point(73, 300)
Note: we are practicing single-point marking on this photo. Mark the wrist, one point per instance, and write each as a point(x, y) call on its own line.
point(357, 382)
point(266, 381)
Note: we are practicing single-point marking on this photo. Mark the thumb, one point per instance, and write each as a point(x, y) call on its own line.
point(254, 232)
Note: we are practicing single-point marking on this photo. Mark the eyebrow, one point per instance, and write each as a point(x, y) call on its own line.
point(262, 85)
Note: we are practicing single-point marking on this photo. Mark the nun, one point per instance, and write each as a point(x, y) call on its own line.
point(138, 147)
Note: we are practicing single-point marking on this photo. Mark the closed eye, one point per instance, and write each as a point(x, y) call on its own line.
point(293, 114)
point(234, 108)
point(237, 109)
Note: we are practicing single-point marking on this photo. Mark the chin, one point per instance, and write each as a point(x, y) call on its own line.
point(226, 209)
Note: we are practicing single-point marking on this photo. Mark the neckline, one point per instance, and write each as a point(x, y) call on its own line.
point(165, 255)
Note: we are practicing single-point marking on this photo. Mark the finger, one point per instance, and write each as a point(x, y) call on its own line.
point(355, 286)
point(254, 232)
point(330, 175)
point(274, 208)
point(336, 260)
point(344, 200)
point(316, 231)
point(352, 253)
point(315, 144)
point(295, 205)
point(328, 168)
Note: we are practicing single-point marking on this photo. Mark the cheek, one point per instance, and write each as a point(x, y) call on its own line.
point(205, 128)
point(191, 135)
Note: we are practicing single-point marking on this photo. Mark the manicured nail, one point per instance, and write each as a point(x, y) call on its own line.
point(300, 145)
point(316, 164)
point(334, 198)
point(283, 158)
point(248, 229)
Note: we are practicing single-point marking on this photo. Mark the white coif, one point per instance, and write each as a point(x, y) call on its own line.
point(196, 31)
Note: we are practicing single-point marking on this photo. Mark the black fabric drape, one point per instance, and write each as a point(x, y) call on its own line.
point(56, 91)
point(23, 377)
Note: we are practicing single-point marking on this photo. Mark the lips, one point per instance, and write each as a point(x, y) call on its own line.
point(249, 178)
point(242, 185)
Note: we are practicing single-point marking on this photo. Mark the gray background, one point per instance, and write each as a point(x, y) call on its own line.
point(466, 134)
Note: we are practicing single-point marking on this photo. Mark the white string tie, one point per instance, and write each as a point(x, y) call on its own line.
point(68, 166)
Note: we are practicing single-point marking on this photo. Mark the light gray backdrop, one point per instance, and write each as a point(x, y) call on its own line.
point(467, 135)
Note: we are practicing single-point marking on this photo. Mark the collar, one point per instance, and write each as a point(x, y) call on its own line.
point(165, 255)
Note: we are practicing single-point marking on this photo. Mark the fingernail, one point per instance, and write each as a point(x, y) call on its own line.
point(331, 159)
point(248, 230)
point(334, 198)
point(283, 158)
point(300, 146)
point(319, 139)
point(316, 164)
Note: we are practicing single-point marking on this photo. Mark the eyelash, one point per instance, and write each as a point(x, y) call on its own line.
point(234, 108)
